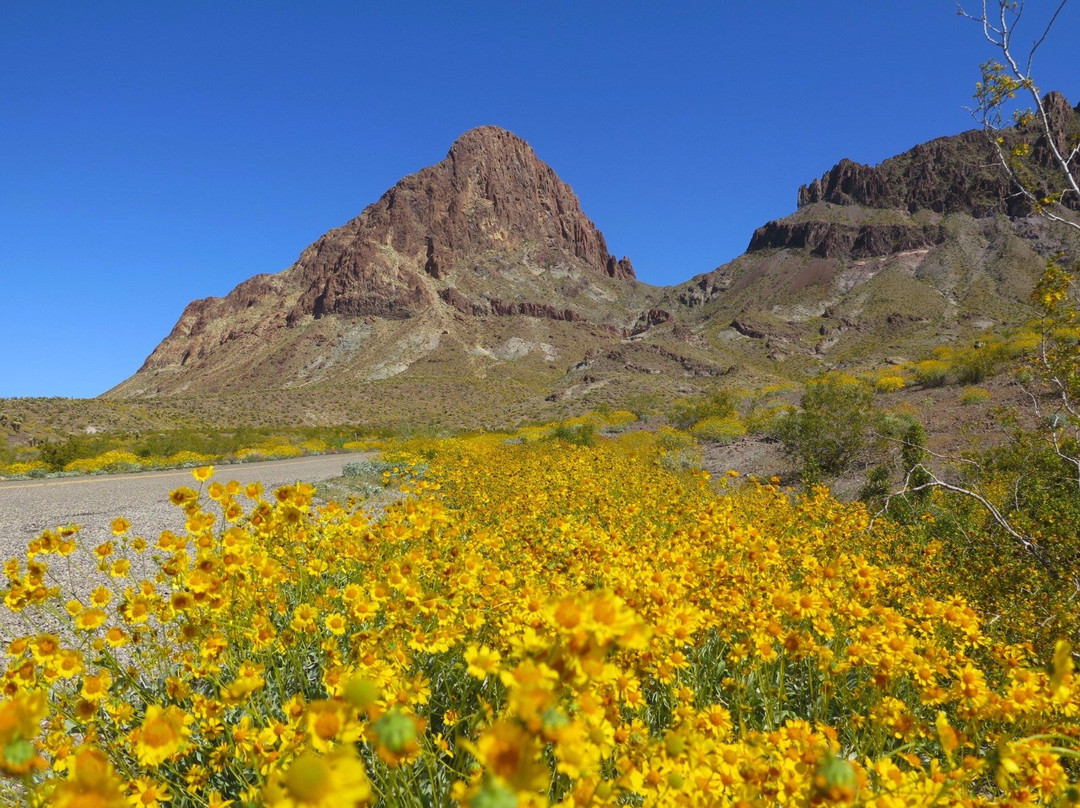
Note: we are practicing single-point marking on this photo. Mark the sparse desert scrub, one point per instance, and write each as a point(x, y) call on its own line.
point(536, 624)
point(104, 454)
point(974, 395)
point(931, 372)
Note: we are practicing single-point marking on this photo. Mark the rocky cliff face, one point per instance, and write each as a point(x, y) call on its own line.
point(957, 174)
point(491, 193)
point(404, 254)
point(832, 240)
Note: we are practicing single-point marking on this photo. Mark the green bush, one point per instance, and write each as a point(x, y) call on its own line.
point(975, 366)
point(833, 428)
point(689, 411)
point(58, 454)
point(974, 395)
point(577, 434)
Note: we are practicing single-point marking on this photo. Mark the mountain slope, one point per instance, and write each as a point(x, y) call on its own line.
point(476, 291)
point(930, 247)
point(473, 284)
point(490, 231)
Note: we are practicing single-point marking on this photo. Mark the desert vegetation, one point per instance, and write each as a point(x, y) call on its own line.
point(542, 620)
point(123, 451)
point(577, 612)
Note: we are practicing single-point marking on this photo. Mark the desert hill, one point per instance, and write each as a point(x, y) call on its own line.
point(477, 292)
point(930, 247)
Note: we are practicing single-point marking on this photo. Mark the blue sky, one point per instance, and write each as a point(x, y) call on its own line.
point(154, 153)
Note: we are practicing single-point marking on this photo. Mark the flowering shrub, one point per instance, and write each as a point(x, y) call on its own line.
point(931, 372)
point(617, 418)
point(889, 384)
point(268, 451)
point(536, 624)
point(115, 460)
point(719, 430)
point(23, 468)
point(182, 459)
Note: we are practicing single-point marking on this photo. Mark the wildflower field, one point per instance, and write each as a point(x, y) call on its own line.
point(537, 622)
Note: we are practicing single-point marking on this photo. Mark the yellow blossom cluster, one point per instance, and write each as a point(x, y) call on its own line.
point(537, 623)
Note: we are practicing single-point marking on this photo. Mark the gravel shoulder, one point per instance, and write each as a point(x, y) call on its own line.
point(27, 507)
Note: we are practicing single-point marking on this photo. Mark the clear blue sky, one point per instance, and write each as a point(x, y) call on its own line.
point(153, 153)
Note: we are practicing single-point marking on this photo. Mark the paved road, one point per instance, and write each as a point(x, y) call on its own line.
point(28, 507)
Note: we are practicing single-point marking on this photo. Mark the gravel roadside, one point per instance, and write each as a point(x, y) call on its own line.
point(27, 507)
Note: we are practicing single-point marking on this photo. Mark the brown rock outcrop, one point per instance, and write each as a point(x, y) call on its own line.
point(648, 319)
point(503, 308)
point(833, 240)
point(460, 302)
point(491, 193)
point(956, 174)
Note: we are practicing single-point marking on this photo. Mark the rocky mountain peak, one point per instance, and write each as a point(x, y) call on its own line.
point(490, 194)
point(1057, 108)
point(491, 144)
point(490, 202)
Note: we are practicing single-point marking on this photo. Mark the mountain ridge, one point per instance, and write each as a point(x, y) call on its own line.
point(485, 263)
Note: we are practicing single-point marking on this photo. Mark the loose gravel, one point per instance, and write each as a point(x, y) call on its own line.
point(28, 507)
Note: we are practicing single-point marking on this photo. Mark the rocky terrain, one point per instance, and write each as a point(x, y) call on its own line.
point(477, 291)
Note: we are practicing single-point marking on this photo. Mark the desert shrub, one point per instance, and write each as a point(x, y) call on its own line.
point(974, 395)
point(910, 504)
point(645, 405)
point(678, 449)
point(1035, 491)
point(689, 411)
point(931, 372)
point(366, 468)
point(279, 449)
point(1065, 334)
point(718, 430)
point(760, 409)
point(579, 433)
point(528, 434)
point(188, 458)
point(31, 468)
point(974, 366)
point(593, 419)
point(877, 486)
point(113, 461)
point(619, 418)
point(250, 455)
point(58, 454)
point(1022, 343)
point(889, 383)
point(832, 429)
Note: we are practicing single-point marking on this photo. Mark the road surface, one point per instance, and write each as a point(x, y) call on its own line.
point(27, 507)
